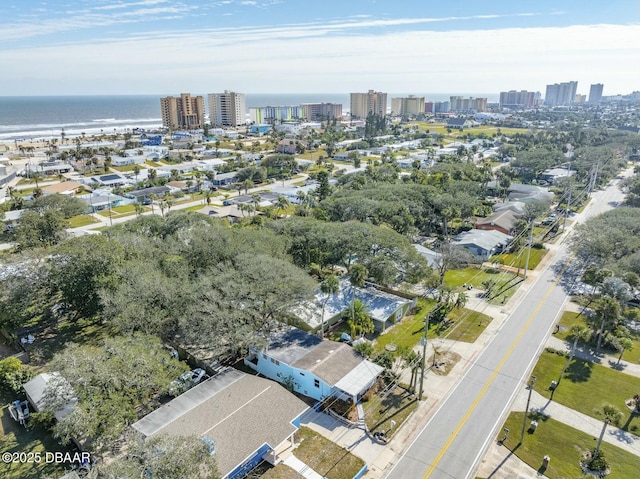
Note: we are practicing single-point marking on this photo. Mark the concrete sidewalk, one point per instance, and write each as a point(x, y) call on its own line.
point(301, 468)
point(589, 425)
point(588, 354)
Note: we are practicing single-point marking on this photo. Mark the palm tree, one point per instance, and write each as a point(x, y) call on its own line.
point(36, 176)
point(580, 333)
point(138, 207)
point(282, 203)
point(622, 344)
point(256, 199)
point(358, 274)
point(248, 184)
point(136, 171)
point(330, 286)
point(153, 199)
point(611, 415)
point(360, 322)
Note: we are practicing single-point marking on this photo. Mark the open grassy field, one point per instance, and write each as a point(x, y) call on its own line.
point(463, 325)
point(586, 386)
point(519, 259)
point(120, 211)
point(564, 445)
point(312, 155)
point(325, 457)
point(81, 220)
point(506, 282)
point(441, 128)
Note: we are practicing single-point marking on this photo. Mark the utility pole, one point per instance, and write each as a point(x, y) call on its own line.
point(531, 383)
point(526, 264)
point(566, 210)
point(424, 349)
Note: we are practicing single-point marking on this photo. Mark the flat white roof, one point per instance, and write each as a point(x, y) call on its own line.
point(360, 378)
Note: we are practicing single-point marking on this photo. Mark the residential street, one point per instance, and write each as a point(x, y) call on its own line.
point(458, 434)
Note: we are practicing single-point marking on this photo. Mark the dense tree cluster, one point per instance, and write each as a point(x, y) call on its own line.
point(115, 383)
point(387, 255)
point(610, 240)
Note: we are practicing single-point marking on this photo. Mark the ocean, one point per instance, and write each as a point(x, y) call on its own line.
point(45, 117)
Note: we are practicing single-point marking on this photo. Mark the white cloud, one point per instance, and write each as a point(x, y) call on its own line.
point(326, 58)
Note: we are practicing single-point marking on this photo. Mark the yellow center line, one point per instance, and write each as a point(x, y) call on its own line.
point(495, 373)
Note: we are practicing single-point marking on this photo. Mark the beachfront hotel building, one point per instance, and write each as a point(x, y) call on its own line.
point(275, 114)
point(411, 105)
point(182, 113)
point(227, 109)
point(321, 111)
point(371, 102)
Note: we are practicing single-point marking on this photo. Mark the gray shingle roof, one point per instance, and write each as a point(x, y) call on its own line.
point(231, 409)
point(485, 239)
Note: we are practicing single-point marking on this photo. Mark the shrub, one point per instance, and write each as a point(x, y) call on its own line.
point(13, 375)
point(597, 462)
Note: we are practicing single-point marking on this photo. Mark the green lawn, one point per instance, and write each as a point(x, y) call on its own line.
point(126, 168)
point(569, 318)
point(81, 220)
point(312, 155)
point(564, 445)
point(396, 406)
point(25, 192)
point(467, 325)
point(120, 211)
point(519, 259)
point(464, 325)
point(507, 282)
point(325, 457)
point(586, 386)
point(193, 208)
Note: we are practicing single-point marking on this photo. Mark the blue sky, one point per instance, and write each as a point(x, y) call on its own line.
point(279, 46)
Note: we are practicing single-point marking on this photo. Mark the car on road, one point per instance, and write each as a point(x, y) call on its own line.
point(186, 381)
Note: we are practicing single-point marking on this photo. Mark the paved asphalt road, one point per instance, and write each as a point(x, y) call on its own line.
point(456, 437)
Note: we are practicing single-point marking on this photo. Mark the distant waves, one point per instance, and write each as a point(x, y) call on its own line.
point(101, 126)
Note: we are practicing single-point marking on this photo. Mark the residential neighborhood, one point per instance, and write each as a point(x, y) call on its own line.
point(207, 270)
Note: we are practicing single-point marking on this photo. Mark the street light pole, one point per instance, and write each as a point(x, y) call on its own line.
point(532, 382)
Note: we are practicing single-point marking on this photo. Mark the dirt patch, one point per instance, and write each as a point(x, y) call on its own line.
point(443, 363)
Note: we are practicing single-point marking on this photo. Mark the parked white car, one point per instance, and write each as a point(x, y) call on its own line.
point(187, 381)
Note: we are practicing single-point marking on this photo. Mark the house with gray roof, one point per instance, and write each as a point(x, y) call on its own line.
point(383, 308)
point(433, 258)
point(552, 175)
point(315, 367)
point(244, 419)
point(524, 193)
point(482, 244)
point(515, 206)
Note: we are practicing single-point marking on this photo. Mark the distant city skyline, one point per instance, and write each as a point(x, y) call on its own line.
point(89, 47)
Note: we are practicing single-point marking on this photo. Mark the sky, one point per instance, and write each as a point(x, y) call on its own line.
point(88, 47)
